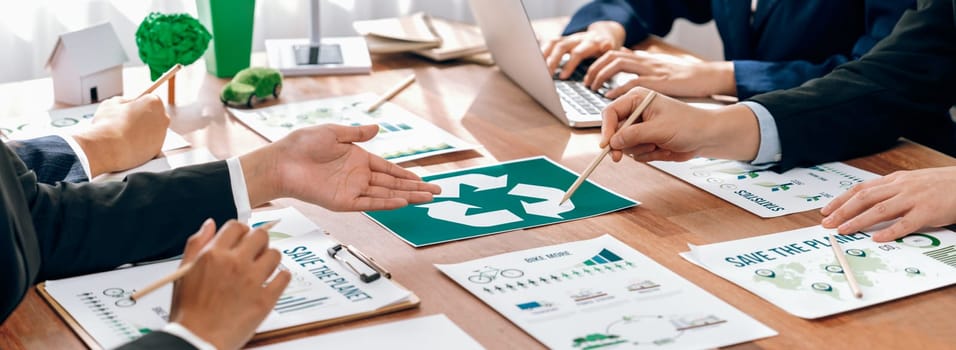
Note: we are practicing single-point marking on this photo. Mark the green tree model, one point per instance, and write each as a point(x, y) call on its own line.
point(166, 39)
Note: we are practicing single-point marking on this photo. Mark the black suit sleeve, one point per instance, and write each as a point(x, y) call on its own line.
point(157, 340)
point(49, 232)
point(51, 158)
point(903, 87)
point(83, 228)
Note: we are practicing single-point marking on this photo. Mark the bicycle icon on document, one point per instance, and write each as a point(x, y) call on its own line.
point(122, 296)
point(488, 274)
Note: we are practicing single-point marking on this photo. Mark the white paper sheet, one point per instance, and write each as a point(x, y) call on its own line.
point(764, 192)
point(67, 121)
point(601, 292)
point(435, 332)
point(402, 135)
point(191, 157)
point(321, 288)
point(797, 270)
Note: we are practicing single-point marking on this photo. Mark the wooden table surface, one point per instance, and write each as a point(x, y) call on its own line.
point(479, 104)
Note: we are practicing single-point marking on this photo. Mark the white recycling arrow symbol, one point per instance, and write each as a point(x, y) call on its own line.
point(457, 212)
point(550, 207)
point(451, 186)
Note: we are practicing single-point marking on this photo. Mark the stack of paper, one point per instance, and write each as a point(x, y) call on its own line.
point(434, 38)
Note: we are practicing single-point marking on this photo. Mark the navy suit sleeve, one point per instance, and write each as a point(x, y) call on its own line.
point(51, 158)
point(901, 88)
point(640, 18)
point(757, 77)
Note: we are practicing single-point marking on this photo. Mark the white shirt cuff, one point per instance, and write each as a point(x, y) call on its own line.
point(80, 154)
point(187, 335)
point(769, 151)
point(239, 192)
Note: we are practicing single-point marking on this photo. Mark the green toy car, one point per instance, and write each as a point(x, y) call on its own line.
point(251, 84)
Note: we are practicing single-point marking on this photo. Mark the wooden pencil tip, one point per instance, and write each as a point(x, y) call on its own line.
point(268, 225)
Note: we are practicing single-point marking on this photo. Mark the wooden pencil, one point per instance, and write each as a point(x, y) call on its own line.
point(183, 270)
point(166, 76)
point(391, 93)
point(607, 149)
point(845, 265)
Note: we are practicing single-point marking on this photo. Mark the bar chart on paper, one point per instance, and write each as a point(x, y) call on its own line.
point(402, 136)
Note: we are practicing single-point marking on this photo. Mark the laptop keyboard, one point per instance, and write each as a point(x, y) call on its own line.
point(579, 97)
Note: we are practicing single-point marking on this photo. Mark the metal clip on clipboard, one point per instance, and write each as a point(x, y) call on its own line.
point(377, 270)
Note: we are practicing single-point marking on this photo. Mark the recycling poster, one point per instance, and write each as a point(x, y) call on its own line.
point(493, 199)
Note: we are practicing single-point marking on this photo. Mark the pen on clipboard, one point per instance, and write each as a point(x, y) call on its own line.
point(184, 269)
point(391, 93)
point(377, 270)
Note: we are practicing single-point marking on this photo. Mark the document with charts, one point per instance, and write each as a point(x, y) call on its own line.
point(764, 192)
point(601, 293)
point(67, 121)
point(402, 136)
point(321, 288)
point(797, 271)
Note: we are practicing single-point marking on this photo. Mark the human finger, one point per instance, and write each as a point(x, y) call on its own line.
point(230, 234)
point(622, 89)
point(395, 183)
point(253, 244)
point(561, 48)
point(199, 240)
point(350, 134)
point(583, 50)
point(598, 63)
point(863, 197)
point(378, 164)
point(548, 47)
point(881, 211)
point(639, 150)
point(616, 112)
point(843, 198)
point(372, 204)
point(387, 193)
point(621, 63)
point(909, 223)
point(639, 133)
point(276, 287)
point(266, 264)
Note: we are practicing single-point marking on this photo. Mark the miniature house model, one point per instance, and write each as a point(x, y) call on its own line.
point(87, 65)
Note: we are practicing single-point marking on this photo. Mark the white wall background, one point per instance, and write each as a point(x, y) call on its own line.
point(29, 28)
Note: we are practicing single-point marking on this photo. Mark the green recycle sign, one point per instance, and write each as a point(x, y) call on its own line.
point(457, 212)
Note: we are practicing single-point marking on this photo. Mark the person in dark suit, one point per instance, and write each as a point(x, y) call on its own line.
point(768, 44)
point(901, 88)
point(61, 230)
point(124, 134)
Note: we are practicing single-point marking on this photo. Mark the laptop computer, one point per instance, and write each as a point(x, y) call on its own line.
point(512, 42)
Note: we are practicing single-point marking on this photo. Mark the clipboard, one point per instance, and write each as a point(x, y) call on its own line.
point(412, 301)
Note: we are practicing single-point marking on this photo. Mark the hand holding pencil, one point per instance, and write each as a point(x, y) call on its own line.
point(227, 274)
